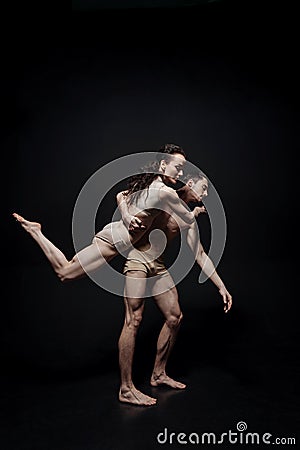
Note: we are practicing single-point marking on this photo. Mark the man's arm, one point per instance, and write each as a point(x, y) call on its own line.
point(207, 266)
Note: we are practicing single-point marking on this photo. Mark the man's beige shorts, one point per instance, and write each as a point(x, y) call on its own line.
point(139, 261)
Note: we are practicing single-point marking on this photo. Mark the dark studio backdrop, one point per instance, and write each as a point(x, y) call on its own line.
point(220, 80)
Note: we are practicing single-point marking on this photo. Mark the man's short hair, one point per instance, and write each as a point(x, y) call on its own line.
point(192, 175)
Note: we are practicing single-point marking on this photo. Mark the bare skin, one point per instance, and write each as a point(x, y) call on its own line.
point(167, 301)
point(157, 197)
point(99, 252)
point(133, 316)
point(166, 338)
point(91, 257)
point(134, 307)
point(171, 226)
point(136, 397)
point(168, 304)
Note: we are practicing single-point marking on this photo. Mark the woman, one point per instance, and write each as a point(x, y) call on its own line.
point(146, 196)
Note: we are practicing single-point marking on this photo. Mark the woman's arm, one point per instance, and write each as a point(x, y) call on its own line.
point(131, 222)
point(172, 204)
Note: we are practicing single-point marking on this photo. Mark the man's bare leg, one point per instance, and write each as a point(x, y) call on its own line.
point(169, 306)
point(134, 307)
point(88, 259)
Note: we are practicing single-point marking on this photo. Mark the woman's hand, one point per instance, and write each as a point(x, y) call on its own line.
point(135, 224)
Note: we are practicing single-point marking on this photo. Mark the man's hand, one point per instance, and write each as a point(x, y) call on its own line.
point(227, 299)
point(199, 210)
point(135, 224)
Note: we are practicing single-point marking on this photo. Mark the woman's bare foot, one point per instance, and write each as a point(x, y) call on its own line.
point(135, 397)
point(31, 227)
point(163, 379)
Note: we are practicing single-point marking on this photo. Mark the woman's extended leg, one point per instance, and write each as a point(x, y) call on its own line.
point(88, 259)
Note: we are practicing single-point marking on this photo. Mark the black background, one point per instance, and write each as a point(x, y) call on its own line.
point(220, 80)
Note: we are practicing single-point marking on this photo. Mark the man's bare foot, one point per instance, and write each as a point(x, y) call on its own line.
point(136, 397)
point(163, 379)
point(31, 227)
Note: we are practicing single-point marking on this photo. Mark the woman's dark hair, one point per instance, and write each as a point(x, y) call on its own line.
point(142, 180)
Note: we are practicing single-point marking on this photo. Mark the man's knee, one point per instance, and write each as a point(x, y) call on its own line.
point(174, 320)
point(137, 318)
point(134, 319)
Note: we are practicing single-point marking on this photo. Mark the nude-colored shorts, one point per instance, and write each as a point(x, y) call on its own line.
point(137, 261)
point(115, 235)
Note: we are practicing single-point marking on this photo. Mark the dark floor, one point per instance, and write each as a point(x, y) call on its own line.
point(60, 374)
point(84, 414)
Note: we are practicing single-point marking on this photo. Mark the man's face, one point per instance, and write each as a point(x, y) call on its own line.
point(197, 191)
point(173, 169)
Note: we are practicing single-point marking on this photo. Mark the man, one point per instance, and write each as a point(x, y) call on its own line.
point(139, 268)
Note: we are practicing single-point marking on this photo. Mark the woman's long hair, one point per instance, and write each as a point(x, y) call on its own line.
point(142, 181)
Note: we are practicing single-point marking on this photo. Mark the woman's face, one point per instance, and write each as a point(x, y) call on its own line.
point(173, 168)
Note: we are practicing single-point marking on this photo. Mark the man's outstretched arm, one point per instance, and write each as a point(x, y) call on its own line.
point(207, 266)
